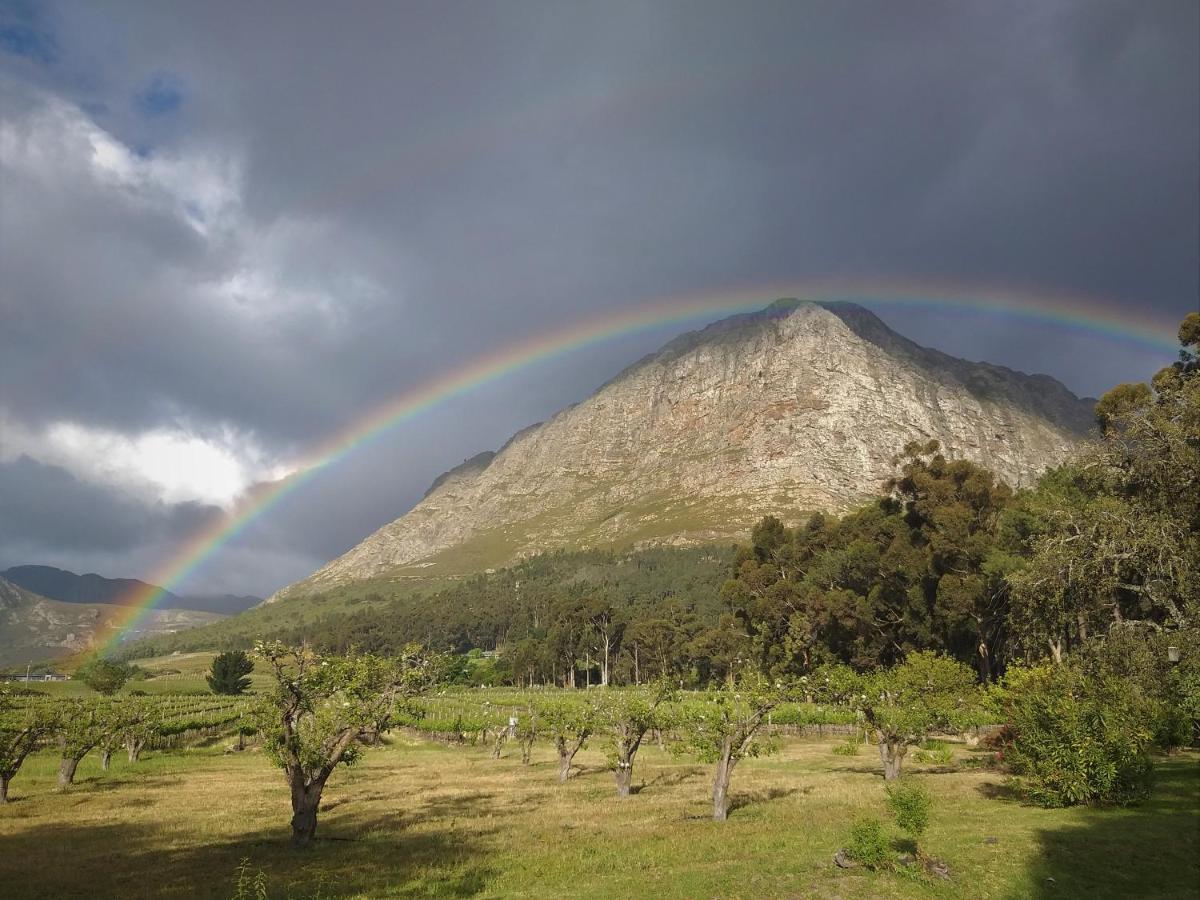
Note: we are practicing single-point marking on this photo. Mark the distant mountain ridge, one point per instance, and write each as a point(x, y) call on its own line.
point(67, 587)
point(34, 628)
point(797, 407)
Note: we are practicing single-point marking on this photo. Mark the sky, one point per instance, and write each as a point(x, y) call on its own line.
point(230, 230)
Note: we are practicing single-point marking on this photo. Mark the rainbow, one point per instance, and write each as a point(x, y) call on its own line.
point(1077, 313)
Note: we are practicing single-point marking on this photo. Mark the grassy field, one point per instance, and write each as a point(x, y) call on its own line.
point(178, 673)
point(420, 819)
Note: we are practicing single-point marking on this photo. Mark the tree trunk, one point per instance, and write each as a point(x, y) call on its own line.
point(305, 801)
point(134, 749)
point(105, 758)
point(721, 783)
point(526, 752)
point(892, 753)
point(604, 671)
point(1056, 652)
point(4, 779)
point(985, 662)
point(499, 743)
point(624, 774)
point(565, 755)
point(66, 771)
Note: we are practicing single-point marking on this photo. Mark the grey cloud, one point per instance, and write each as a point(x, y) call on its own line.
point(422, 183)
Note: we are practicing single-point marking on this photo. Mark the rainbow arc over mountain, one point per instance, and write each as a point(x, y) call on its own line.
point(1078, 314)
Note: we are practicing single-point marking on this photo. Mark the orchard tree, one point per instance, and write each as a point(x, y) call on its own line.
point(569, 723)
point(229, 673)
point(906, 703)
point(141, 725)
point(626, 716)
point(318, 708)
point(24, 725)
point(723, 727)
point(80, 724)
point(104, 676)
point(527, 732)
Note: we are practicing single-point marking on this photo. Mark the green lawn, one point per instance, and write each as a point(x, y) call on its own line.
point(418, 819)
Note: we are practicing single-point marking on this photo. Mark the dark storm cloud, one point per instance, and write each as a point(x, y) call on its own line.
point(322, 208)
point(47, 511)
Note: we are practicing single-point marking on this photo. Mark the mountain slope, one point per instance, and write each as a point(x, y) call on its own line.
point(796, 407)
point(35, 628)
point(67, 587)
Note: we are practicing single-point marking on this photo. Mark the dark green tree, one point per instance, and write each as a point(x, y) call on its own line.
point(230, 671)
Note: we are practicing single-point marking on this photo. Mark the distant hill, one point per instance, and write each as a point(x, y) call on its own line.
point(34, 628)
point(67, 587)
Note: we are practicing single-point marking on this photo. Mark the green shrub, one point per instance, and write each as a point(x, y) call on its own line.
point(868, 844)
point(1077, 738)
point(848, 747)
point(910, 804)
point(935, 752)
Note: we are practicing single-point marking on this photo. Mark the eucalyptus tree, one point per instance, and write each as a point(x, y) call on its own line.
point(318, 707)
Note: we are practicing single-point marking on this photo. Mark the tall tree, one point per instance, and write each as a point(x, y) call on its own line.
point(1115, 536)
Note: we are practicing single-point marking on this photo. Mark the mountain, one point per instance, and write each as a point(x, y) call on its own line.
point(797, 407)
point(35, 628)
point(67, 587)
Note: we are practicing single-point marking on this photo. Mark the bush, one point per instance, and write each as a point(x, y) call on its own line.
point(103, 675)
point(936, 752)
point(1077, 738)
point(868, 844)
point(910, 804)
point(848, 747)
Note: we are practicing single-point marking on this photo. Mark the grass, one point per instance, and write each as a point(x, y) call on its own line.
point(419, 819)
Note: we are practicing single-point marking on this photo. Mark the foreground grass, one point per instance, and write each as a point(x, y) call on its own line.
point(417, 819)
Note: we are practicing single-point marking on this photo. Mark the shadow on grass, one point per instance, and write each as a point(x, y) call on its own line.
point(667, 779)
point(1146, 851)
point(365, 856)
point(741, 801)
point(1000, 790)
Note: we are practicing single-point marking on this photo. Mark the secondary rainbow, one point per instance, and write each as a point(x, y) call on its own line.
point(1072, 312)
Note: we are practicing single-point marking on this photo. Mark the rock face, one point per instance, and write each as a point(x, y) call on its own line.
point(798, 407)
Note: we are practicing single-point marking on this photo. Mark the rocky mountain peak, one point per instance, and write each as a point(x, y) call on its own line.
point(796, 407)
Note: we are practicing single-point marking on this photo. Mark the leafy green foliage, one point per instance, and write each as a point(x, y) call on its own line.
point(1078, 738)
point(906, 572)
point(868, 844)
point(230, 671)
point(910, 803)
point(24, 725)
point(104, 676)
point(729, 720)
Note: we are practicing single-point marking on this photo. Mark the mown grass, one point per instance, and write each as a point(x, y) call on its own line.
point(419, 819)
